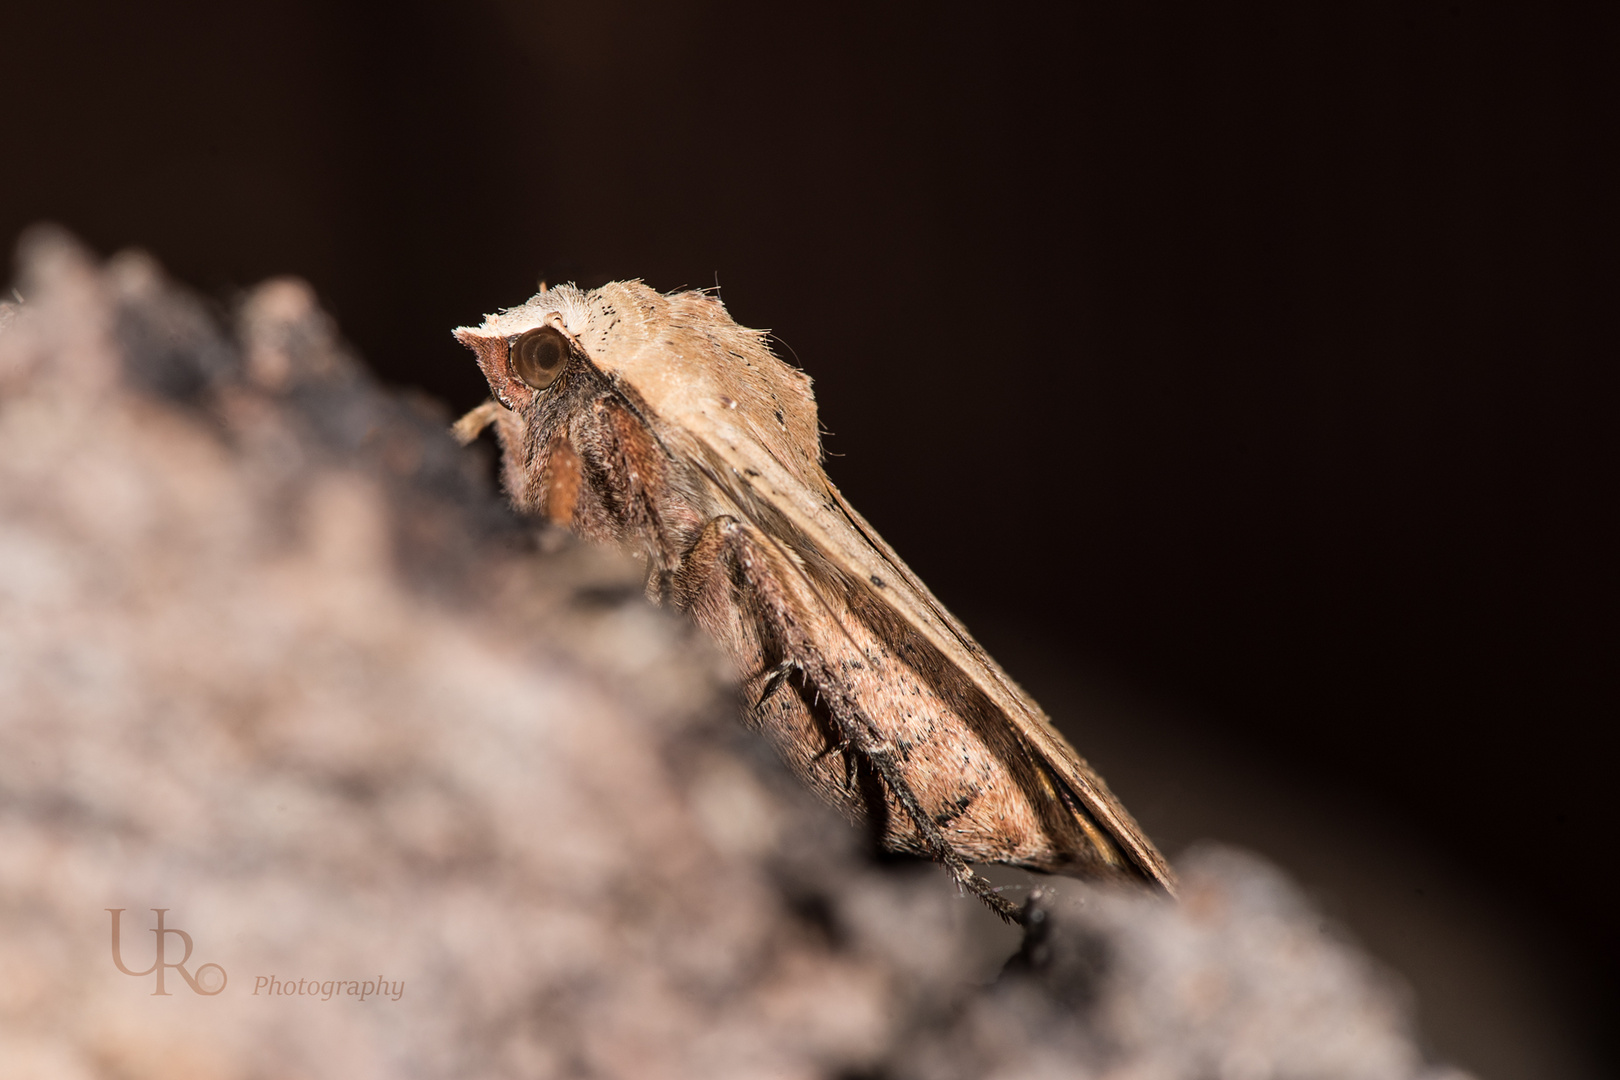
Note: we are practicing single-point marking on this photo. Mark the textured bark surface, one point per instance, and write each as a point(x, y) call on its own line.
point(273, 658)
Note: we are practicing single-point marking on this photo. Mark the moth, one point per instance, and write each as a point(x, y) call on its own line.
point(654, 422)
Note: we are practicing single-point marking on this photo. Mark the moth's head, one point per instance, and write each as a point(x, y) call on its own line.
point(524, 351)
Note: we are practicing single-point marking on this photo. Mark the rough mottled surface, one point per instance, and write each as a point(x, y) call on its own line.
point(1241, 979)
point(272, 658)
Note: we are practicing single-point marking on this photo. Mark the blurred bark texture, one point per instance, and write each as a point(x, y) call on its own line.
point(274, 658)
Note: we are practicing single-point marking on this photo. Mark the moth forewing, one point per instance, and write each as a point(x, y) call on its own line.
point(930, 617)
point(829, 528)
point(701, 448)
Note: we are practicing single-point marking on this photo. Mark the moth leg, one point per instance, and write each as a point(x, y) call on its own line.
point(470, 426)
point(841, 745)
point(707, 584)
point(774, 682)
point(730, 553)
point(779, 675)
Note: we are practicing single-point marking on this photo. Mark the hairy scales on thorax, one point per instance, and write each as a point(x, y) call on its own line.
point(657, 423)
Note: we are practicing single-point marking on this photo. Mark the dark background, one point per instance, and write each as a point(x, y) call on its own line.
point(1261, 361)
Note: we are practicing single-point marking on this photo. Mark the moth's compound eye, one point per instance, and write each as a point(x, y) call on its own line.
point(538, 356)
